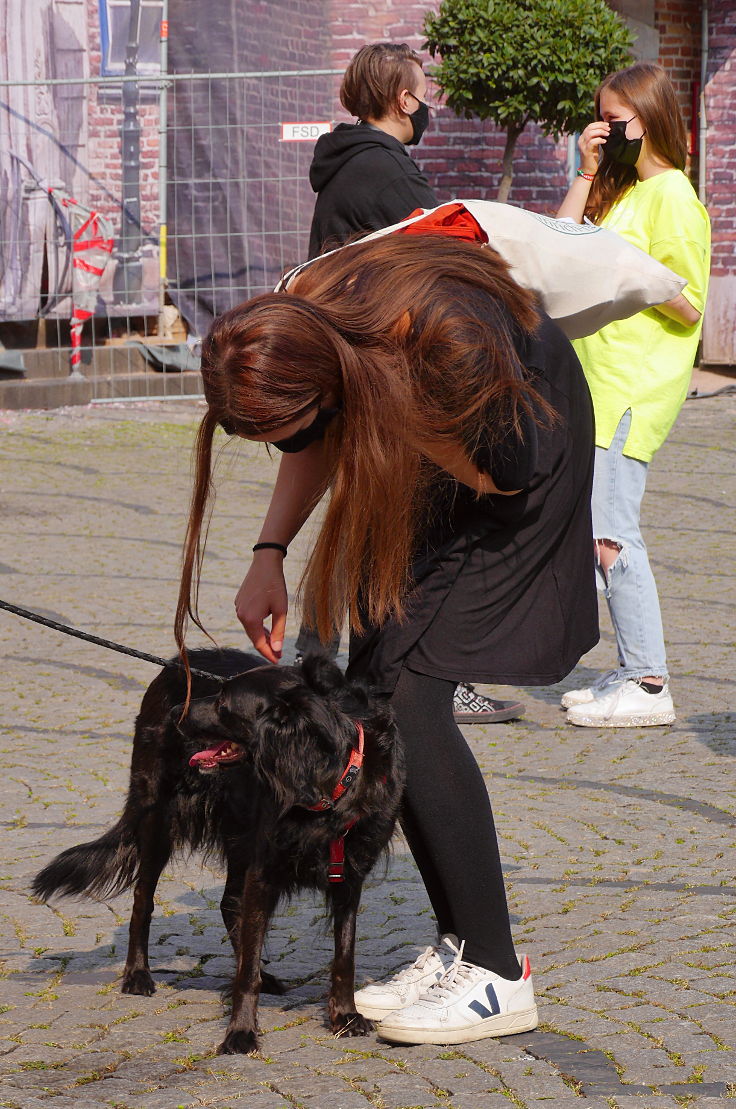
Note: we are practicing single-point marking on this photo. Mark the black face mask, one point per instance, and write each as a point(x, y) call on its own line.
point(617, 148)
point(310, 434)
point(419, 121)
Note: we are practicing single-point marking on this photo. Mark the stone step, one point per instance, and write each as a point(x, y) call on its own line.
point(53, 362)
point(58, 392)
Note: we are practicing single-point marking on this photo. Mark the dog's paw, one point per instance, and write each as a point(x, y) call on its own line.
point(350, 1024)
point(271, 984)
point(138, 982)
point(239, 1042)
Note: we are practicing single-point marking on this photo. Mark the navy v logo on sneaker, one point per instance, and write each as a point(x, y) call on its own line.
point(481, 1010)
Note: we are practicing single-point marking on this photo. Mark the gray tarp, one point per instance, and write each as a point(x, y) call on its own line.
point(239, 200)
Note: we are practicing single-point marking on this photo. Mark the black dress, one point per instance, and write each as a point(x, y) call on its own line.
point(504, 589)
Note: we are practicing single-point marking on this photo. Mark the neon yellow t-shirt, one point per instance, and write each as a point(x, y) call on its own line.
point(644, 363)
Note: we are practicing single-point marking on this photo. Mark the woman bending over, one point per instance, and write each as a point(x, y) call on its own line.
point(413, 385)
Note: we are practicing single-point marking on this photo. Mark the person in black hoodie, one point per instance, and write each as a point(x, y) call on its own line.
point(362, 172)
point(365, 179)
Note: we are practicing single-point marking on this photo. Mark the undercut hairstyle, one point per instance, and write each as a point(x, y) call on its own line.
point(652, 97)
point(375, 76)
point(416, 336)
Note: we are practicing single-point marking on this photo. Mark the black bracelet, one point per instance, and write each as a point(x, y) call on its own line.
point(271, 547)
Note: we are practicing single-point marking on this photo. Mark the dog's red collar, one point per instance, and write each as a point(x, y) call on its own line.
point(336, 869)
point(349, 775)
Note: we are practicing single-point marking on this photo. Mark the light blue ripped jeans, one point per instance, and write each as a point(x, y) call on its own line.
point(629, 587)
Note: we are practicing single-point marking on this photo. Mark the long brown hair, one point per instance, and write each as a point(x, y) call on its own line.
point(383, 326)
point(651, 95)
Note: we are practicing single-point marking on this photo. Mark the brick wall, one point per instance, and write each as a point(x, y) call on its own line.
point(677, 39)
point(678, 23)
point(720, 100)
point(103, 156)
point(460, 157)
point(464, 156)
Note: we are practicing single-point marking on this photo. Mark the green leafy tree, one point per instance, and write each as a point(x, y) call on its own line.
point(516, 61)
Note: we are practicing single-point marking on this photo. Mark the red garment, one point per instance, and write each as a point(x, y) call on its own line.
point(449, 219)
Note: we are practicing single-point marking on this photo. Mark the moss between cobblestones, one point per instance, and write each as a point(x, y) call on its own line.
point(289, 1099)
point(80, 496)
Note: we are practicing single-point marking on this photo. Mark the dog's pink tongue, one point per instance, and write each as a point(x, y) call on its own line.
point(215, 756)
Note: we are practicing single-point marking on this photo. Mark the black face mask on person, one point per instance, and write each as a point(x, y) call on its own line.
point(617, 148)
point(308, 435)
point(419, 121)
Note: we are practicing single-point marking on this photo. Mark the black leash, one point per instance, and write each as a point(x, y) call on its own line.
point(112, 646)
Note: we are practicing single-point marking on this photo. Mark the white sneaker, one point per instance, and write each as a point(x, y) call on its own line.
point(585, 696)
point(625, 705)
point(378, 999)
point(467, 1003)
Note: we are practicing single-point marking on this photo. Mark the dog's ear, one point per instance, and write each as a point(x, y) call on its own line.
point(321, 674)
point(300, 746)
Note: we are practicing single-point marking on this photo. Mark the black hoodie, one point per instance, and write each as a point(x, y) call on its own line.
point(364, 180)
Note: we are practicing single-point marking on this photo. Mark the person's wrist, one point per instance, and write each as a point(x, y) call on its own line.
point(585, 175)
point(269, 548)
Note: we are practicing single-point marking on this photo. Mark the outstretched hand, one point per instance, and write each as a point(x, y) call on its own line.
point(262, 595)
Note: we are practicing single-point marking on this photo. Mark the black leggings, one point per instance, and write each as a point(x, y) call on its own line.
point(449, 827)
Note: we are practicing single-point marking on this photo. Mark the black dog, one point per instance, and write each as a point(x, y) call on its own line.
point(285, 803)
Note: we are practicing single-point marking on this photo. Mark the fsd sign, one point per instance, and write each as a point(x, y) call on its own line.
point(304, 132)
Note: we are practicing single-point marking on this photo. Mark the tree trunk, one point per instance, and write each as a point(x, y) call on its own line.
point(512, 133)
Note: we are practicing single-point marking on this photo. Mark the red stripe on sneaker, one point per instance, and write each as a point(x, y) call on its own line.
point(526, 967)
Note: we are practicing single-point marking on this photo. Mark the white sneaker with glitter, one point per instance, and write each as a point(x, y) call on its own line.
point(625, 705)
point(467, 1003)
point(378, 999)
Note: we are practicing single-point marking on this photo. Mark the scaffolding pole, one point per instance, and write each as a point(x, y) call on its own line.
point(163, 167)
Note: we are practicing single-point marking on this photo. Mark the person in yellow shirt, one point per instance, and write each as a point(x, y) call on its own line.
point(631, 181)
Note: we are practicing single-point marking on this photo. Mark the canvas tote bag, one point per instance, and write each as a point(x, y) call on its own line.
point(585, 276)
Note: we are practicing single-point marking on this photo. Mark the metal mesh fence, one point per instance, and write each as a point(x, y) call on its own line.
point(245, 198)
point(132, 213)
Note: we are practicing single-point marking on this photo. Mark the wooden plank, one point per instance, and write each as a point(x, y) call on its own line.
point(719, 326)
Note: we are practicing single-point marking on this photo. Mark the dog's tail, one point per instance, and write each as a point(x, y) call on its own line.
point(102, 868)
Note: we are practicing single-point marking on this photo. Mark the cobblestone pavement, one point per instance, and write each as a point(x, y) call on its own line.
point(618, 846)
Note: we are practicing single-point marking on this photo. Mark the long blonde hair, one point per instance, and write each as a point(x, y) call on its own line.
point(649, 91)
point(383, 326)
